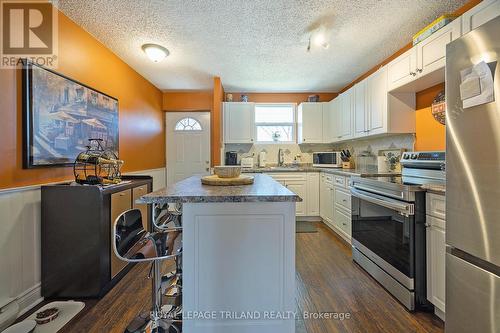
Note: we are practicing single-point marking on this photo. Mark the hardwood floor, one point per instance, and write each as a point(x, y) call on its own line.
point(327, 281)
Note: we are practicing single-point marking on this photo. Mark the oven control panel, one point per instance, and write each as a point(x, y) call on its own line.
point(438, 156)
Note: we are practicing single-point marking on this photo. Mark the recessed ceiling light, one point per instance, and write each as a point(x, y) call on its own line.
point(155, 52)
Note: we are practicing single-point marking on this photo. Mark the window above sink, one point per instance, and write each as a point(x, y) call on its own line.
point(275, 123)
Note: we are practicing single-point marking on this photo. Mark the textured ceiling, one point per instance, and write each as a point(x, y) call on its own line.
point(255, 45)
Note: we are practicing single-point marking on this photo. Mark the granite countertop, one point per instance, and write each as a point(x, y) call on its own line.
point(361, 172)
point(435, 188)
point(191, 190)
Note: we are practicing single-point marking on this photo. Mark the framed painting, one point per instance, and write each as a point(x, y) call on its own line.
point(60, 115)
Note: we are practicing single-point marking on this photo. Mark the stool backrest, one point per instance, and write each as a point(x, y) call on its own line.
point(132, 243)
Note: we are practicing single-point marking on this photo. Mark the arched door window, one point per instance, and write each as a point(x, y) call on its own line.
point(188, 124)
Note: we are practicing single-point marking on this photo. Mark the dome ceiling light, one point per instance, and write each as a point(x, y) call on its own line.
point(155, 52)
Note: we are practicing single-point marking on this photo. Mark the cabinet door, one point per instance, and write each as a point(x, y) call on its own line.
point(138, 192)
point(377, 102)
point(330, 204)
point(335, 118)
point(239, 122)
point(402, 70)
point(312, 201)
point(480, 14)
point(360, 110)
point(310, 122)
point(346, 114)
point(431, 52)
point(120, 202)
point(327, 123)
point(322, 196)
point(436, 253)
point(299, 188)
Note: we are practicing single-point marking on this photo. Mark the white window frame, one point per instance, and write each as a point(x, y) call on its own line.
point(293, 123)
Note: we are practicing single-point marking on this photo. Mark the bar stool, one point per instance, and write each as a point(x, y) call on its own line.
point(132, 243)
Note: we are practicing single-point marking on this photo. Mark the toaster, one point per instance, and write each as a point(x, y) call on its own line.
point(247, 162)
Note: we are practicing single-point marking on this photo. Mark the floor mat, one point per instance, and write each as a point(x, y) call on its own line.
point(305, 227)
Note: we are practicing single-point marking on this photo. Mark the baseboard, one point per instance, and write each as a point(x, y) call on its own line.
point(308, 218)
point(440, 314)
point(338, 232)
point(30, 298)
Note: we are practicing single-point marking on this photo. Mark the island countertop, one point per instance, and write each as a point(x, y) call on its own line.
point(191, 190)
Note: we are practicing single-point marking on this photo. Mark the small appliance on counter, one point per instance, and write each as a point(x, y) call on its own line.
point(247, 162)
point(262, 159)
point(330, 159)
point(231, 158)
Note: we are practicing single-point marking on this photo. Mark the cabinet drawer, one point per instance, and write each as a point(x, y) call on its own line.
point(329, 178)
point(343, 198)
point(120, 202)
point(138, 192)
point(436, 205)
point(435, 222)
point(293, 176)
point(343, 221)
point(339, 181)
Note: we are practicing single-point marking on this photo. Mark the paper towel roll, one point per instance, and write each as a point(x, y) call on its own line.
point(382, 164)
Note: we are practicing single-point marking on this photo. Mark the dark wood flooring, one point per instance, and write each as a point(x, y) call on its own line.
point(327, 281)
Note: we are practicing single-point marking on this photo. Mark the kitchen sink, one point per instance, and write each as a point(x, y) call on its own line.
point(284, 168)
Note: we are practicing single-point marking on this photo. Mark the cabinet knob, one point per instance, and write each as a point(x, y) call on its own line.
point(419, 70)
point(251, 140)
point(304, 140)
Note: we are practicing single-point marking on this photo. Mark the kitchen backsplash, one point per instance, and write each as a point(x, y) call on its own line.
point(357, 148)
point(366, 151)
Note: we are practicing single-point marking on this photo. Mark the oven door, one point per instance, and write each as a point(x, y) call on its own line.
point(383, 229)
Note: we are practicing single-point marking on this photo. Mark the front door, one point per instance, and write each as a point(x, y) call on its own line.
point(188, 145)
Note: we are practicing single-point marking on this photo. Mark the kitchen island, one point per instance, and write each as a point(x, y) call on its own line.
point(238, 255)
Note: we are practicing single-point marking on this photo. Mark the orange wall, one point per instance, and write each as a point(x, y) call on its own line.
point(83, 58)
point(430, 134)
point(216, 121)
point(195, 100)
point(283, 97)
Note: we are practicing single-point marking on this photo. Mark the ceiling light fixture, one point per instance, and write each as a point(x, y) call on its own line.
point(155, 52)
point(318, 38)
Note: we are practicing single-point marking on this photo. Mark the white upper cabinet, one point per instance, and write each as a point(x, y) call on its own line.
point(431, 52)
point(377, 102)
point(327, 123)
point(422, 66)
point(360, 110)
point(334, 109)
point(403, 69)
point(239, 122)
point(480, 14)
point(346, 114)
point(310, 123)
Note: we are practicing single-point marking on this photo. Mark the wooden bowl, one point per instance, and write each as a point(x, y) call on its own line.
point(227, 171)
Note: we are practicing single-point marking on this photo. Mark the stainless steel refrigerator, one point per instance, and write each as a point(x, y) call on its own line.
point(473, 181)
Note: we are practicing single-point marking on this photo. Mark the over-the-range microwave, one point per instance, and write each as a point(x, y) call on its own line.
point(328, 159)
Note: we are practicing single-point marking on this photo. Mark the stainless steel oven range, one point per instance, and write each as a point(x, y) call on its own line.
point(388, 226)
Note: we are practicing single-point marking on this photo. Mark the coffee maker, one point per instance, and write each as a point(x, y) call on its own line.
point(231, 158)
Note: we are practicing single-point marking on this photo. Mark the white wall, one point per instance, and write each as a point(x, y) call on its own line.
point(20, 241)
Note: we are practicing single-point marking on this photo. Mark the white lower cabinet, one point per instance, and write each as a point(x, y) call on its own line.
point(335, 204)
point(306, 186)
point(436, 253)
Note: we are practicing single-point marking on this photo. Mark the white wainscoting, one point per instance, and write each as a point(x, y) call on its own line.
point(20, 241)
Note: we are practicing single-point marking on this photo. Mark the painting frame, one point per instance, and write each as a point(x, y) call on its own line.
point(29, 159)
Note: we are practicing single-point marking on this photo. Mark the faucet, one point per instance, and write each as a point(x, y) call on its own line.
point(281, 157)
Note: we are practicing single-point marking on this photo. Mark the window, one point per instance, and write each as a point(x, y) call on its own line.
point(275, 123)
point(188, 124)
